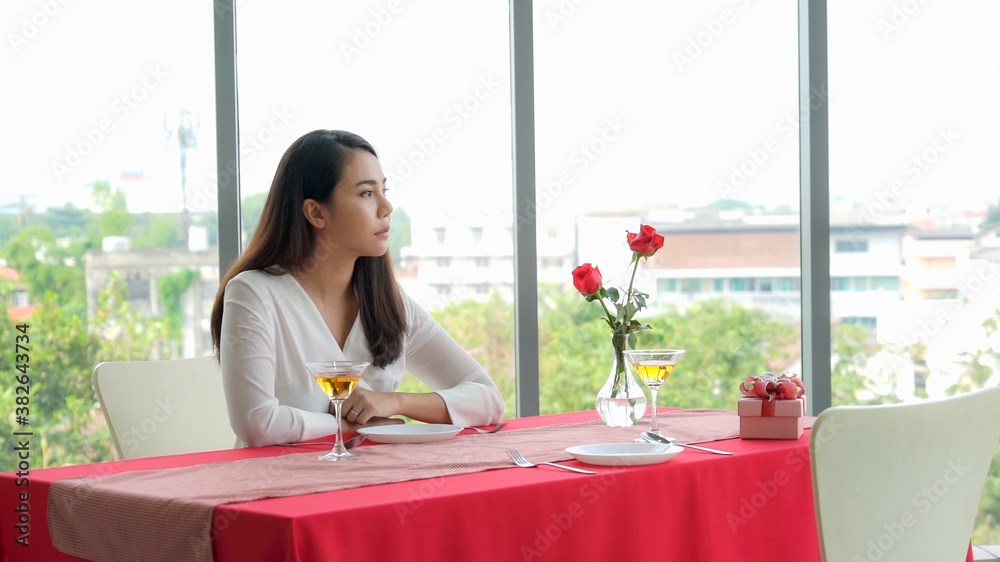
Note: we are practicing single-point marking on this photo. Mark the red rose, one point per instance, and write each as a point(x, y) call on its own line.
point(647, 242)
point(587, 279)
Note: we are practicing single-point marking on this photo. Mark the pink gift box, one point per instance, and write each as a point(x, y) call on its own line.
point(771, 419)
point(781, 408)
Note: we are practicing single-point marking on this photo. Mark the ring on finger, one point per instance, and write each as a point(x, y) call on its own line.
point(355, 413)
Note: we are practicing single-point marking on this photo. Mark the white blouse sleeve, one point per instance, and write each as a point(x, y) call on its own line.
point(247, 354)
point(434, 357)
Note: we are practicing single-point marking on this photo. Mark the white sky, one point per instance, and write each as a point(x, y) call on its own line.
point(678, 129)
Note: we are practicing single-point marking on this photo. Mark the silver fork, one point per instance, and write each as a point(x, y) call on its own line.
point(519, 460)
point(488, 431)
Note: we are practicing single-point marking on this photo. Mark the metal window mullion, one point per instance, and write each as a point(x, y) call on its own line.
point(227, 134)
point(523, 155)
point(814, 185)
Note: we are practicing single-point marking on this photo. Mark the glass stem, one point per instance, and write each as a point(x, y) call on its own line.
point(653, 427)
point(339, 448)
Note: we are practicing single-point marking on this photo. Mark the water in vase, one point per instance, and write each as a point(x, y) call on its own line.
point(621, 412)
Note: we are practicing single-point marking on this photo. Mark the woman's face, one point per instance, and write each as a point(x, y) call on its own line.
point(359, 211)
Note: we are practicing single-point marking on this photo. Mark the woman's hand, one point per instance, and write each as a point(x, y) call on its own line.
point(364, 407)
point(349, 427)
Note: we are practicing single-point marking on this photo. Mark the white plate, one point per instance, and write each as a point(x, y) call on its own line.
point(624, 454)
point(410, 432)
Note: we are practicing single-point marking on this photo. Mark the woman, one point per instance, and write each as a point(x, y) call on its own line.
point(316, 283)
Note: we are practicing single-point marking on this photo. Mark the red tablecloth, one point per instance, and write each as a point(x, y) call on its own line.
point(754, 505)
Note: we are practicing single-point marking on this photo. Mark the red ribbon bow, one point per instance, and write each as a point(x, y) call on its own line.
point(768, 385)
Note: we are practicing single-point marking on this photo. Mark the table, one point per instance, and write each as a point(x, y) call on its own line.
point(754, 505)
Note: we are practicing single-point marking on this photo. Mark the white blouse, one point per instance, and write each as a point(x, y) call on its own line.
point(271, 329)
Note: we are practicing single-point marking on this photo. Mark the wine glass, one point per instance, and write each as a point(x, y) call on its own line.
point(653, 366)
point(337, 379)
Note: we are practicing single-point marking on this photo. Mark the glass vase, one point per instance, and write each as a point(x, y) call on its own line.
point(621, 401)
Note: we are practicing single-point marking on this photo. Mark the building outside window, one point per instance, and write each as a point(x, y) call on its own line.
point(852, 245)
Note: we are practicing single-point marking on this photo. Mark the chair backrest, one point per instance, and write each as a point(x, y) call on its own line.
point(902, 482)
point(158, 408)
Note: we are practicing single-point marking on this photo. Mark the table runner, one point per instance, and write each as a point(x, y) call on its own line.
point(168, 514)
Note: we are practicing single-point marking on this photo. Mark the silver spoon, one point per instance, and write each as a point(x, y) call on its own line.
point(654, 438)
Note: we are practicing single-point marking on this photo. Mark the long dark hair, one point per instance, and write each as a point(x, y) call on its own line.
point(284, 239)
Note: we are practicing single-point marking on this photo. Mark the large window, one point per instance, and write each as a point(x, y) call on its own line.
point(108, 199)
point(428, 84)
point(667, 114)
point(912, 139)
point(913, 120)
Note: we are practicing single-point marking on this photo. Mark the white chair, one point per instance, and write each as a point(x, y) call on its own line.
point(902, 482)
point(158, 408)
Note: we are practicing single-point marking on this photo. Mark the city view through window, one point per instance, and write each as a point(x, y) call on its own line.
point(682, 116)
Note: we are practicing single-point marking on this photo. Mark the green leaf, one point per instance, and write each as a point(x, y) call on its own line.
point(631, 309)
point(640, 299)
point(613, 294)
